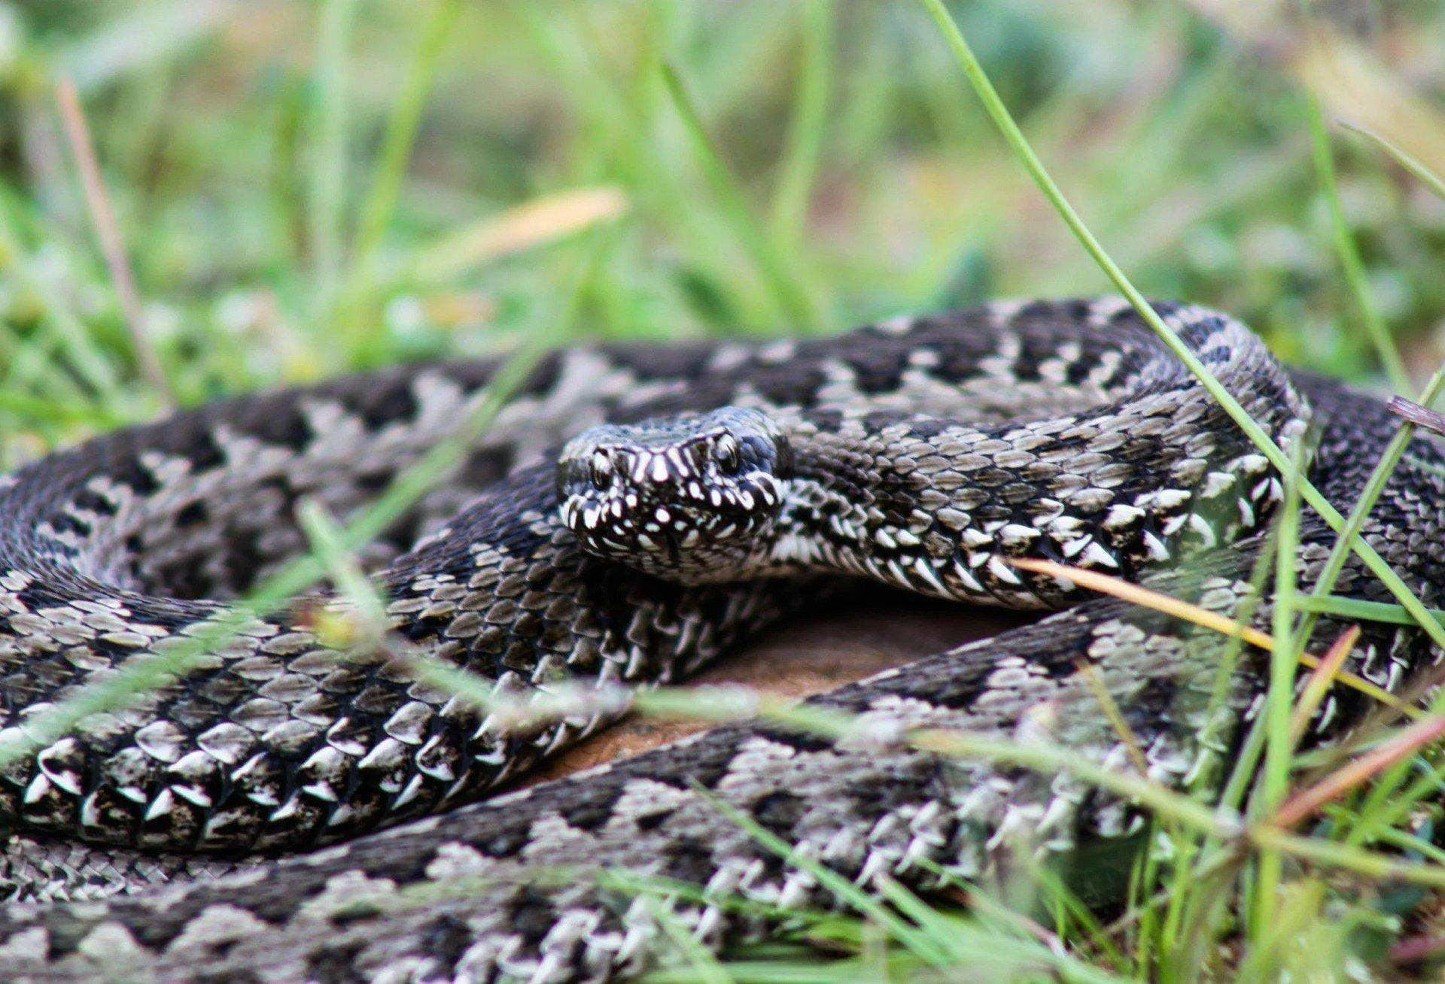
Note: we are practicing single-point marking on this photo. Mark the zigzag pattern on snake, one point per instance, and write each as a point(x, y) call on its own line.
point(633, 513)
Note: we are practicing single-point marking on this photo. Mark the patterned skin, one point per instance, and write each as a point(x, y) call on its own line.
point(924, 453)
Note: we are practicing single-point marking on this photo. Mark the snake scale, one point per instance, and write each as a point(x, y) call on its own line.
point(286, 812)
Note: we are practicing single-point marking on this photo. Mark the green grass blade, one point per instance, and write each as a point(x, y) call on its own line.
point(1279, 698)
point(793, 299)
point(843, 888)
point(1360, 513)
point(808, 125)
point(146, 675)
point(1349, 254)
point(704, 965)
point(60, 317)
point(401, 129)
point(1356, 610)
point(329, 166)
point(1001, 117)
point(1422, 173)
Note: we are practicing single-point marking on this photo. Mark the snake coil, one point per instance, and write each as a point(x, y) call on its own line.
point(634, 512)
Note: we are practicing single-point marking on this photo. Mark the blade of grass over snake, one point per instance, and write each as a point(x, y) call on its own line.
point(966, 945)
point(1320, 681)
point(844, 888)
point(1014, 137)
point(632, 883)
point(1273, 782)
point(1195, 883)
point(1241, 768)
point(1354, 524)
point(1356, 610)
point(1307, 802)
point(141, 676)
point(1220, 823)
point(1048, 758)
point(1140, 595)
point(1095, 681)
point(1202, 617)
point(367, 619)
point(704, 964)
point(1042, 877)
point(1203, 882)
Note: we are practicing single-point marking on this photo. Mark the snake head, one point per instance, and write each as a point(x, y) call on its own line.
point(691, 498)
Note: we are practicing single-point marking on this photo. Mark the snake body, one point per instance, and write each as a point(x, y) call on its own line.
point(633, 512)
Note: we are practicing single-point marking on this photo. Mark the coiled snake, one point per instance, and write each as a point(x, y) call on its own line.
point(701, 491)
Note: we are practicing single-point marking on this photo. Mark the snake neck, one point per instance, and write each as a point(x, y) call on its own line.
point(945, 509)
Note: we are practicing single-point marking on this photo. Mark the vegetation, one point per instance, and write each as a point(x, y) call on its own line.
point(201, 196)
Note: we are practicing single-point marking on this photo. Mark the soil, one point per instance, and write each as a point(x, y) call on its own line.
point(815, 651)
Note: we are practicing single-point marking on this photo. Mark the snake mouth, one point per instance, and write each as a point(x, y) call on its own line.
point(673, 529)
point(689, 498)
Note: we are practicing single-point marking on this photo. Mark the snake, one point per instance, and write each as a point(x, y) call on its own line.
point(285, 803)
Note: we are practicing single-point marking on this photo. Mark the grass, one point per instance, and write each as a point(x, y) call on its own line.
point(232, 206)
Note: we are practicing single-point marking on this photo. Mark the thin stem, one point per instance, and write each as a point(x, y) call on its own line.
point(145, 675)
point(1422, 173)
point(107, 230)
point(1278, 749)
point(328, 171)
point(401, 129)
point(60, 318)
point(1349, 253)
point(809, 122)
point(1267, 446)
point(1355, 523)
point(793, 300)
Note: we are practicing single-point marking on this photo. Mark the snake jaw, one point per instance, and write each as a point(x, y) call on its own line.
point(690, 499)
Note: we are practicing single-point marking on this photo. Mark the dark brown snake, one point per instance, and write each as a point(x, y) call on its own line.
point(633, 513)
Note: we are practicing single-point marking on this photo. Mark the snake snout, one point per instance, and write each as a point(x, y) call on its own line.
point(689, 498)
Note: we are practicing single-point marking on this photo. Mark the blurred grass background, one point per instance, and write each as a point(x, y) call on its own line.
point(205, 196)
point(305, 188)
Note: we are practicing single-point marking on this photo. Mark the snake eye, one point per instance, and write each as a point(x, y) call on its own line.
point(728, 455)
point(600, 470)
